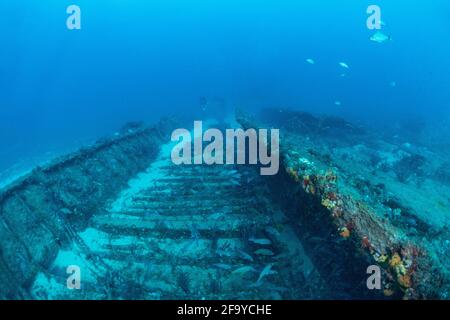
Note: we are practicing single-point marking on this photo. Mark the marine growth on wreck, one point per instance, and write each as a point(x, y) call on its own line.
point(224, 150)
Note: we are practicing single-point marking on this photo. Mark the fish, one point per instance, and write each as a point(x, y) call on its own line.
point(344, 65)
point(407, 145)
point(269, 287)
point(264, 252)
point(393, 84)
point(222, 266)
point(316, 239)
point(243, 270)
point(310, 61)
point(380, 37)
point(272, 231)
point(265, 272)
point(338, 103)
point(195, 234)
point(217, 216)
point(249, 180)
point(235, 183)
point(245, 255)
point(230, 172)
point(224, 253)
point(260, 241)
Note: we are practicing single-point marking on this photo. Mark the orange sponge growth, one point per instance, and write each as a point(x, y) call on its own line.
point(344, 232)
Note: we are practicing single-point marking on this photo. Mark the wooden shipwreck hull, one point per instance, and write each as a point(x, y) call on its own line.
point(341, 228)
point(336, 208)
point(39, 212)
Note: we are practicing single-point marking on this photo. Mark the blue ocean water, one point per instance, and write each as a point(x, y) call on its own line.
point(139, 60)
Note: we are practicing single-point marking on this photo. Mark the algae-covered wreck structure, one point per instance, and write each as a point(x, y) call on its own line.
point(41, 211)
point(139, 227)
point(358, 200)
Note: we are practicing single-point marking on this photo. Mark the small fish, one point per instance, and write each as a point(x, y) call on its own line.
point(235, 183)
point(393, 84)
point(277, 288)
point(222, 266)
point(224, 253)
point(217, 216)
point(344, 65)
point(230, 172)
point(316, 239)
point(195, 234)
point(245, 255)
point(272, 231)
point(338, 103)
point(249, 180)
point(264, 252)
point(407, 145)
point(265, 272)
point(310, 61)
point(260, 241)
point(380, 37)
point(243, 270)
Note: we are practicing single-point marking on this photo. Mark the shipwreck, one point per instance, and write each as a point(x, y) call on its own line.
point(140, 227)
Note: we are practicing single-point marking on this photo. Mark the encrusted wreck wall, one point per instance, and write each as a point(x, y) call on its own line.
point(341, 264)
point(38, 212)
point(342, 235)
